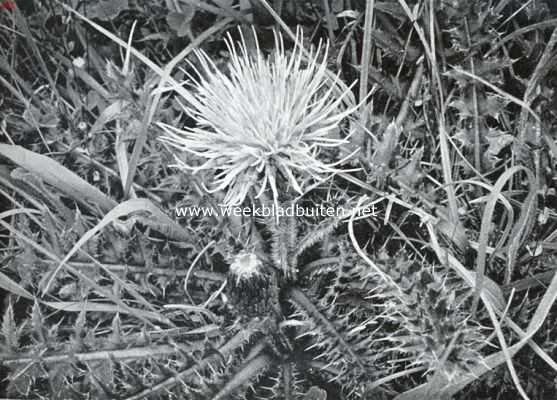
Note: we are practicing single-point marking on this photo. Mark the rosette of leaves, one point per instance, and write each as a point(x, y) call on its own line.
point(300, 313)
point(316, 324)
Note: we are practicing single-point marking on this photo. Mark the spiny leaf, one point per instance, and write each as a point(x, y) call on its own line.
point(37, 322)
point(158, 218)
point(385, 147)
point(9, 330)
point(116, 334)
point(282, 247)
point(9, 285)
point(411, 173)
point(225, 350)
point(249, 371)
point(316, 235)
point(132, 353)
point(320, 319)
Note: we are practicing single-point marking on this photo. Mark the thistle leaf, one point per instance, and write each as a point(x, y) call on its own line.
point(249, 371)
point(10, 332)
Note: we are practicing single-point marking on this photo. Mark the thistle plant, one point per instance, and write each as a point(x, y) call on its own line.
point(265, 122)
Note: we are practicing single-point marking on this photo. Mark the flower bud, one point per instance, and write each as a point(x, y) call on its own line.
point(252, 286)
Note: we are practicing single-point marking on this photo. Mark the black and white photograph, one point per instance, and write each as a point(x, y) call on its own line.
point(278, 200)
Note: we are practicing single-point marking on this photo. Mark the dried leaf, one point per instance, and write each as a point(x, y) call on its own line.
point(411, 173)
point(452, 230)
point(497, 140)
point(180, 22)
point(385, 147)
point(105, 10)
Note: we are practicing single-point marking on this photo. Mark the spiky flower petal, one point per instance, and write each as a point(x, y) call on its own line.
point(265, 122)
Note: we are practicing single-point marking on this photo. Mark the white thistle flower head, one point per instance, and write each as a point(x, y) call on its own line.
point(245, 266)
point(265, 122)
